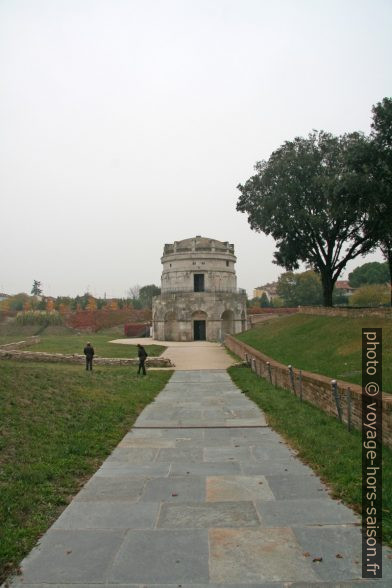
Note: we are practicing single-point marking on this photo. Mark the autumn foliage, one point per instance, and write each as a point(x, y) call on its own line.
point(95, 320)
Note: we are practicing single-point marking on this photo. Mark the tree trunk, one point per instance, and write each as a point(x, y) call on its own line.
point(389, 259)
point(328, 285)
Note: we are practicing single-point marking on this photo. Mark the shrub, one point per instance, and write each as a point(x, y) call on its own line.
point(39, 317)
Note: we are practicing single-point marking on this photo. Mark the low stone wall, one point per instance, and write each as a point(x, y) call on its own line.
point(162, 362)
point(316, 389)
point(347, 312)
point(21, 344)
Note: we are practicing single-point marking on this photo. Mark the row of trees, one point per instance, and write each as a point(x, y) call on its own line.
point(138, 298)
point(326, 199)
point(305, 289)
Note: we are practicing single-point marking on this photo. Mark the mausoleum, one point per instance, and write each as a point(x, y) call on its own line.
point(199, 297)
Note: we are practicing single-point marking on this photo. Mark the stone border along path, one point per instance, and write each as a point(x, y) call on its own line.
point(201, 493)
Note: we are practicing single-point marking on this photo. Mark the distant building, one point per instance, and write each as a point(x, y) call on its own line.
point(344, 287)
point(3, 296)
point(199, 298)
point(268, 289)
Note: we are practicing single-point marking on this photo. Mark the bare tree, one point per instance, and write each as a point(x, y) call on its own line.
point(134, 292)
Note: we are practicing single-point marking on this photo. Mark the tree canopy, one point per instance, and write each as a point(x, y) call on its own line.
point(369, 273)
point(314, 203)
point(147, 293)
point(382, 172)
point(36, 289)
point(300, 289)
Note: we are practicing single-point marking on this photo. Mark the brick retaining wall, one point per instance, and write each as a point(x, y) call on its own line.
point(347, 312)
point(316, 389)
point(162, 362)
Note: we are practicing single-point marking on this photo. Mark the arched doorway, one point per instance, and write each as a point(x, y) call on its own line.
point(171, 327)
point(199, 324)
point(227, 322)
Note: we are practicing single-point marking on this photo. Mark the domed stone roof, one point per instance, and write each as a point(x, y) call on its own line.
point(198, 243)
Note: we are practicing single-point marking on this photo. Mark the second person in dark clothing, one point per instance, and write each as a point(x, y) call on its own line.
point(142, 354)
point(89, 353)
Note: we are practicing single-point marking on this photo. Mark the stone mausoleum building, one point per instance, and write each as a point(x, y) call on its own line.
point(199, 297)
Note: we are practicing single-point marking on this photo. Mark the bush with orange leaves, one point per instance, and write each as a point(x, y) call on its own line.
point(95, 320)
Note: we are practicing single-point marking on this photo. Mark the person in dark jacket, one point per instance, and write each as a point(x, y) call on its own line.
point(142, 354)
point(89, 353)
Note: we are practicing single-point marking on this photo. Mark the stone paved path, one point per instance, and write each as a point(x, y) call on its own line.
point(227, 505)
point(191, 355)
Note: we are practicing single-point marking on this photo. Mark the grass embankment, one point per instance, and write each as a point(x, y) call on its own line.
point(57, 424)
point(322, 442)
point(325, 345)
point(71, 343)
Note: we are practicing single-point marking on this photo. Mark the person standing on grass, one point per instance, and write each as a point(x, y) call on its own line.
point(142, 354)
point(89, 353)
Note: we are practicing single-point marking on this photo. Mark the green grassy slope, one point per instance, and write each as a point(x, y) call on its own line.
point(69, 343)
point(325, 345)
point(57, 425)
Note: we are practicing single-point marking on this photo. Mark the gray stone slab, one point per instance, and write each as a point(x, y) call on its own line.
point(187, 489)
point(188, 455)
point(304, 512)
point(254, 556)
point(208, 515)
point(238, 488)
point(288, 486)
point(258, 585)
point(251, 422)
point(162, 556)
point(268, 467)
point(72, 557)
point(219, 437)
point(138, 455)
point(204, 469)
point(270, 450)
point(374, 583)
point(100, 488)
point(328, 542)
point(85, 585)
point(108, 515)
point(110, 470)
point(152, 442)
point(219, 454)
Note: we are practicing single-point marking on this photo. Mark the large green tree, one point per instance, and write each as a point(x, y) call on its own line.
point(373, 272)
point(36, 289)
point(300, 289)
point(313, 202)
point(382, 170)
point(147, 293)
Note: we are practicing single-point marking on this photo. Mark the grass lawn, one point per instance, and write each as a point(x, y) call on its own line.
point(71, 343)
point(325, 345)
point(57, 425)
point(322, 442)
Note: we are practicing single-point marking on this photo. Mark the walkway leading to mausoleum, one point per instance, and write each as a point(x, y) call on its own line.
point(191, 355)
point(201, 494)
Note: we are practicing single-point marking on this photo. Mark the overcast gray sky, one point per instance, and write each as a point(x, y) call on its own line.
point(127, 124)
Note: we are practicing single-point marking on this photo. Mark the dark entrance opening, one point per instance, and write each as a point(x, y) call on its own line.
point(198, 283)
point(199, 330)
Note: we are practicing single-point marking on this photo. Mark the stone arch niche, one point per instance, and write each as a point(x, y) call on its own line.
point(199, 325)
point(227, 322)
point(171, 327)
point(243, 321)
